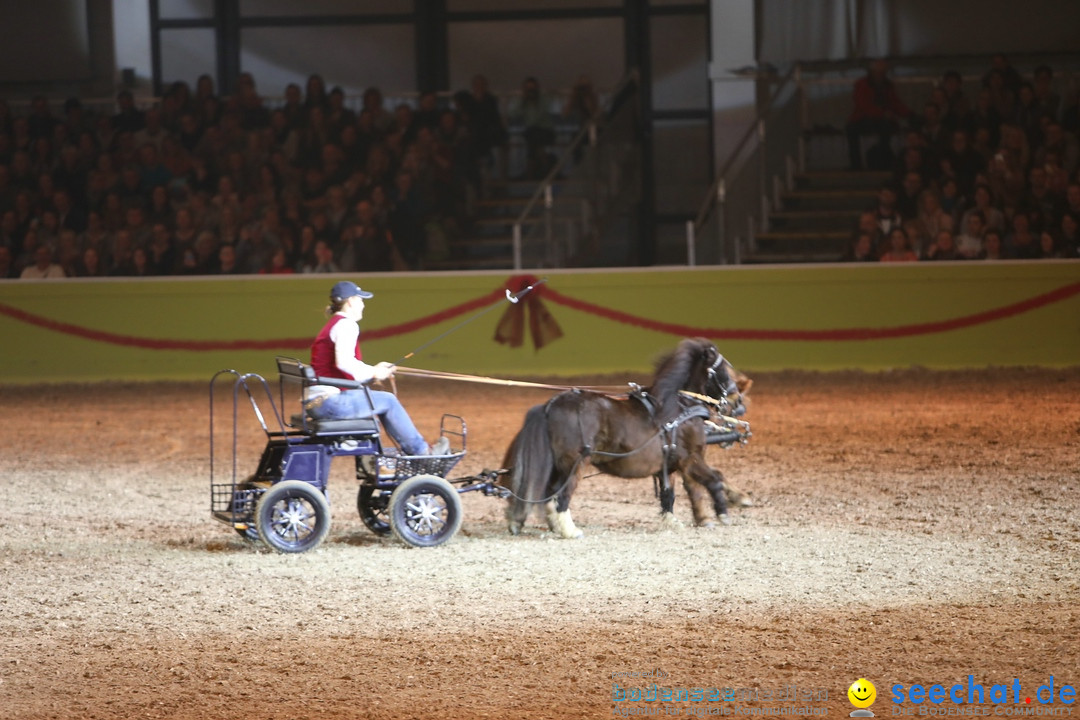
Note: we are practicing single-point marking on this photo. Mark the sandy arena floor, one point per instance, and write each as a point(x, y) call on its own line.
point(910, 527)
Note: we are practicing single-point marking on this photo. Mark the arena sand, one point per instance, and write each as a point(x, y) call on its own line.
point(908, 527)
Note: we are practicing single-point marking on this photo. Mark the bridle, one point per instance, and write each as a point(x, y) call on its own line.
point(726, 389)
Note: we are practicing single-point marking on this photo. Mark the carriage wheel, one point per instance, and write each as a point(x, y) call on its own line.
point(292, 516)
point(373, 504)
point(425, 511)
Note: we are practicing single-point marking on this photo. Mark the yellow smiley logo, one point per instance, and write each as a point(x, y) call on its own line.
point(862, 693)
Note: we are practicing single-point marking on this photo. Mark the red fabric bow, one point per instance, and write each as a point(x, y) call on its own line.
point(542, 325)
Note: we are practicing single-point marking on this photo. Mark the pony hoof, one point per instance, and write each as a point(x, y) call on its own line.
point(668, 521)
point(514, 528)
point(707, 525)
point(576, 535)
point(724, 519)
point(740, 499)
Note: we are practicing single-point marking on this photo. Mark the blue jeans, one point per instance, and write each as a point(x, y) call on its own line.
point(352, 404)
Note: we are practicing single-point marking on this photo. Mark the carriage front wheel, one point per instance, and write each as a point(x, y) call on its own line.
point(293, 516)
point(425, 511)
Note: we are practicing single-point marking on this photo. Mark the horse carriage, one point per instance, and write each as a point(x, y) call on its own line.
point(285, 502)
point(693, 402)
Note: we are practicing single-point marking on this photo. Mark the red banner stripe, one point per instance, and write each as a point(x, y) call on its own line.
point(819, 335)
point(420, 323)
point(205, 345)
point(150, 343)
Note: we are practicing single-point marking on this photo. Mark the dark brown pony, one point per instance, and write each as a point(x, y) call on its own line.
point(626, 436)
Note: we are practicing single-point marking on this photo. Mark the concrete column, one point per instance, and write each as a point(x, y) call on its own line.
point(733, 40)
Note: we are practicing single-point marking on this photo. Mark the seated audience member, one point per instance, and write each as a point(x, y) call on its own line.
point(162, 250)
point(861, 249)
point(427, 111)
point(943, 247)
point(877, 111)
point(1056, 177)
point(43, 268)
point(1048, 247)
point(140, 264)
point(1007, 172)
point(129, 118)
point(533, 112)
point(1063, 144)
point(970, 241)
point(952, 202)
point(931, 218)
point(68, 253)
point(7, 263)
point(90, 264)
point(966, 162)
point(918, 160)
point(985, 119)
point(1042, 205)
point(936, 134)
point(907, 195)
point(1072, 200)
point(992, 217)
point(1022, 243)
point(324, 259)
point(1002, 77)
point(1068, 236)
point(956, 105)
point(1028, 115)
point(227, 261)
point(867, 223)
point(899, 249)
point(485, 124)
point(886, 216)
point(992, 246)
point(279, 264)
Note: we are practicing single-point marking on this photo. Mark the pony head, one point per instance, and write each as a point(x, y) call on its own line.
point(697, 366)
point(725, 383)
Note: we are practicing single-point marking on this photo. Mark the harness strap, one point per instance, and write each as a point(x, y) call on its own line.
point(668, 432)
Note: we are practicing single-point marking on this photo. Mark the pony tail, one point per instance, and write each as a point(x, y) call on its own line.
point(531, 462)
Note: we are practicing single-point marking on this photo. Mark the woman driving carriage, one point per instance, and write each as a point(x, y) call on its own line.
point(335, 353)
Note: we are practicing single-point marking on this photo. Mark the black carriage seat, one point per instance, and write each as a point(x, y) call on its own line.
point(296, 377)
point(358, 426)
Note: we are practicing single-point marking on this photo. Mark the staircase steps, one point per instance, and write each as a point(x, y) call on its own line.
point(817, 217)
point(488, 240)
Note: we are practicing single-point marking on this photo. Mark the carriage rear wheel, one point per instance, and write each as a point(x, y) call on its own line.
point(293, 516)
point(373, 504)
point(425, 511)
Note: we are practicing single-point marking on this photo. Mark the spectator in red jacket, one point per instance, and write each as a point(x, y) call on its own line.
point(878, 111)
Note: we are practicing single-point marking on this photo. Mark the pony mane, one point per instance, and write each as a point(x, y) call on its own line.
point(683, 369)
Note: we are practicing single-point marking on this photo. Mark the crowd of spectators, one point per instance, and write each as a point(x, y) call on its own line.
point(988, 178)
point(202, 184)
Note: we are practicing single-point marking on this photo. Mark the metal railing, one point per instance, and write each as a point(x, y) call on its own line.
point(743, 180)
point(551, 229)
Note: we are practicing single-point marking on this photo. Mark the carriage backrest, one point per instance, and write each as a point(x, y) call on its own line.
point(294, 377)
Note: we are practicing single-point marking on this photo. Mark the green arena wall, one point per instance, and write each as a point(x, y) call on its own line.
point(823, 317)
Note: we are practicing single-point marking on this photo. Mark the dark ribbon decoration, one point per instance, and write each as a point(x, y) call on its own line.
point(542, 325)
